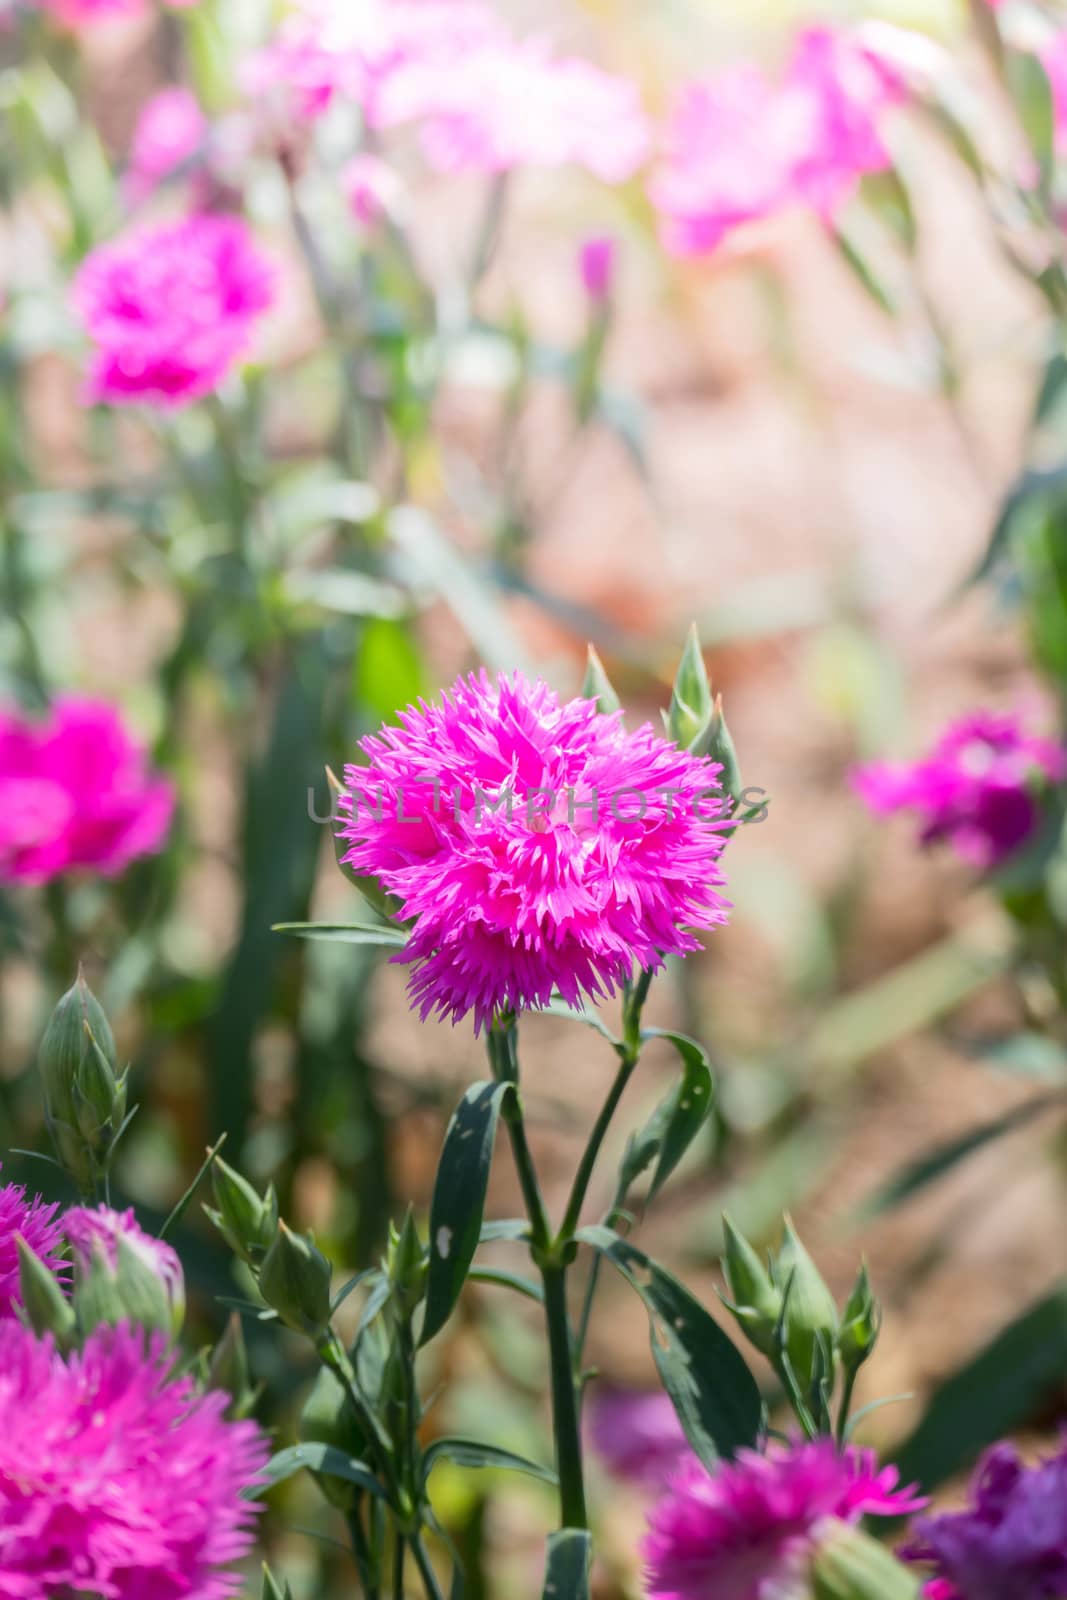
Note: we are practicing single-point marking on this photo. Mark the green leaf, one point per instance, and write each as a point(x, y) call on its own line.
point(999, 1391)
point(558, 1007)
point(507, 1280)
point(459, 1199)
point(470, 1453)
point(941, 1159)
point(570, 1557)
point(389, 670)
point(1031, 91)
point(715, 1395)
point(508, 1229)
point(887, 195)
point(680, 1116)
point(345, 933)
point(324, 1458)
point(855, 257)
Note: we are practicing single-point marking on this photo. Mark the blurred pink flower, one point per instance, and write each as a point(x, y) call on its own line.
point(538, 846)
point(1054, 61)
point(76, 14)
point(76, 793)
point(746, 1530)
point(741, 148)
point(36, 1224)
point(170, 131)
point(636, 1433)
point(89, 1229)
point(978, 788)
point(597, 262)
point(171, 308)
point(116, 1477)
point(373, 188)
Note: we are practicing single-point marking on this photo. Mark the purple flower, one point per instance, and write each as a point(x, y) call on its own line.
point(170, 131)
point(36, 1224)
point(1010, 1543)
point(116, 1478)
point(89, 1231)
point(171, 308)
point(978, 788)
point(746, 1532)
point(636, 1433)
point(537, 846)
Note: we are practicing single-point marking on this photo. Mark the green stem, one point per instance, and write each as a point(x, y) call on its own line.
point(425, 1566)
point(364, 1559)
point(399, 1549)
point(565, 1418)
point(596, 1139)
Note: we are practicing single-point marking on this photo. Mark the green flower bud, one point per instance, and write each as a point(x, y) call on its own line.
point(227, 1370)
point(810, 1314)
point(755, 1301)
point(861, 1323)
point(65, 1045)
point(328, 1418)
point(247, 1220)
point(596, 685)
point(127, 1290)
point(717, 743)
point(272, 1589)
point(294, 1280)
point(406, 1264)
point(46, 1307)
point(84, 1094)
point(849, 1565)
point(691, 704)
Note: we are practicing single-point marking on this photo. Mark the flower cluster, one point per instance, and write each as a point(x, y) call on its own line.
point(76, 793)
point(171, 308)
point(116, 1477)
point(538, 847)
point(747, 1530)
point(741, 148)
point(978, 788)
point(37, 1225)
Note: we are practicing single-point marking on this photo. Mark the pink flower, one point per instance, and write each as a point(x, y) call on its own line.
point(978, 788)
point(1054, 61)
point(90, 1231)
point(636, 1434)
point(537, 846)
point(597, 260)
point(35, 1223)
point(171, 308)
point(746, 1531)
point(76, 794)
point(169, 133)
point(117, 1478)
point(741, 149)
point(77, 14)
point(373, 188)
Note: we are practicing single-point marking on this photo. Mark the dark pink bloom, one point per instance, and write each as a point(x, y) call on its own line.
point(597, 260)
point(637, 1434)
point(35, 1223)
point(537, 846)
point(90, 1230)
point(76, 793)
point(1054, 61)
point(1011, 1541)
point(171, 308)
point(746, 1531)
point(170, 131)
point(978, 788)
point(741, 148)
point(117, 1478)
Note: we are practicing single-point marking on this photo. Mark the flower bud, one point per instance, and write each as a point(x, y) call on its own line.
point(755, 1301)
point(406, 1264)
point(107, 1233)
point(121, 1287)
point(861, 1323)
point(85, 1095)
point(810, 1311)
point(849, 1565)
point(717, 743)
point(247, 1220)
point(46, 1307)
point(691, 703)
point(272, 1589)
point(294, 1280)
point(597, 263)
point(596, 685)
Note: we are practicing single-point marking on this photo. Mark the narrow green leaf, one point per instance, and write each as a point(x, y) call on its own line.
point(507, 1280)
point(324, 1458)
point(459, 1199)
point(570, 1557)
point(683, 1112)
point(715, 1395)
point(508, 1229)
point(1032, 93)
point(182, 1205)
point(471, 1453)
point(345, 933)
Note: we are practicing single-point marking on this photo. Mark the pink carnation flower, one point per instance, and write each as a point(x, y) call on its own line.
point(747, 1531)
point(116, 1478)
point(597, 263)
point(171, 308)
point(741, 148)
point(76, 793)
point(637, 1434)
point(35, 1223)
point(170, 131)
point(978, 788)
point(1054, 61)
point(89, 1231)
point(537, 846)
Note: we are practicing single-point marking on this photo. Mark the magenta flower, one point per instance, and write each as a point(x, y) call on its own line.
point(978, 788)
point(747, 1531)
point(76, 793)
point(637, 1434)
point(597, 262)
point(35, 1223)
point(741, 149)
point(116, 1478)
point(536, 846)
point(91, 1230)
point(1054, 61)
point(170, 131)
point(171, 309)
point(1010, 1543)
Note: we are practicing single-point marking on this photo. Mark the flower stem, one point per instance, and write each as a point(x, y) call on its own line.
point(596, 1139)
point(399, 1550)
point(425, 1566)
point(565, 1419)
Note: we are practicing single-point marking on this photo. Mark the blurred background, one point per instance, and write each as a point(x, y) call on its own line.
point(804, 443)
